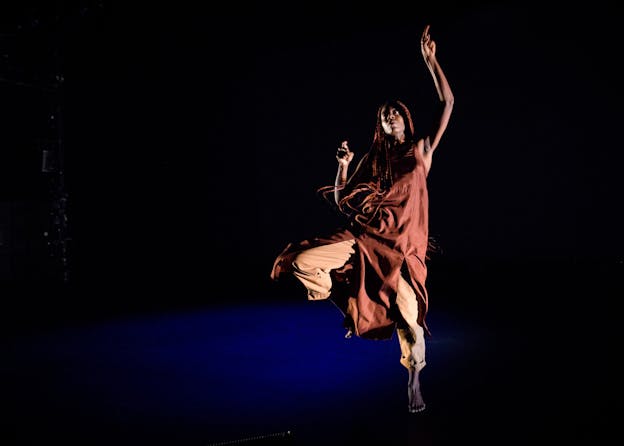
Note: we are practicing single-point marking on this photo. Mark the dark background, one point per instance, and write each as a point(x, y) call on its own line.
point(194, 138)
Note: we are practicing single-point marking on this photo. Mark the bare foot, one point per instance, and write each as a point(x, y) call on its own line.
point(415, 400)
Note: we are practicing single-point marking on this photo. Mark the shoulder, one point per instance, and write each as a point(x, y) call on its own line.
point(424, 152)
point(421, 147)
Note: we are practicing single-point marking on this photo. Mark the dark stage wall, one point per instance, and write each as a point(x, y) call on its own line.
point(195, 139)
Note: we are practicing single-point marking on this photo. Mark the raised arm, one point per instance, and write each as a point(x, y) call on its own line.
point(428, 49)
point(344, 157)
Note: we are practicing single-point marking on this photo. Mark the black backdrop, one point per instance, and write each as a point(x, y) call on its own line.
point(195, 138)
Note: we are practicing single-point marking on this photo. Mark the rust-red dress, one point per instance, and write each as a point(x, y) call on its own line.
point(391, 234)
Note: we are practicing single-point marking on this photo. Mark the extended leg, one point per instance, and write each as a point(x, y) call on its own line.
point(412, 342)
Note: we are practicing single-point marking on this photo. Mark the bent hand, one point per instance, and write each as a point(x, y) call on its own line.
point(427, 46)
point(344, 155)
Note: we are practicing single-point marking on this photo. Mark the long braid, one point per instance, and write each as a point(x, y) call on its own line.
point(387, 180)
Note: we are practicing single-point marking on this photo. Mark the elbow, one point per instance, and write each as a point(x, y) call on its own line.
point(449, 100)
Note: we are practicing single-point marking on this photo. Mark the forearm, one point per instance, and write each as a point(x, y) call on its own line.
point(441, 83)
point(341, 181)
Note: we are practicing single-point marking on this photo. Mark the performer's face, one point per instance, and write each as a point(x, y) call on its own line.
point(393, 123)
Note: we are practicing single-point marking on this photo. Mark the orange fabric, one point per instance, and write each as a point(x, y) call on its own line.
point(391, 232)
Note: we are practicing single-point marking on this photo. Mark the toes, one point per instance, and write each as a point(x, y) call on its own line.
point(417, 409)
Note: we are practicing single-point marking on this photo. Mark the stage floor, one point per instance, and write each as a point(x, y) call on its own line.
point(281, 372)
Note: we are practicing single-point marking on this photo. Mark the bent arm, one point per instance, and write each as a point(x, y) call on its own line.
point(344, 157)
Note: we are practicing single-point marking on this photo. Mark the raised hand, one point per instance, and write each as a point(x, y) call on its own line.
point(344, 155)
point(427, 46)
